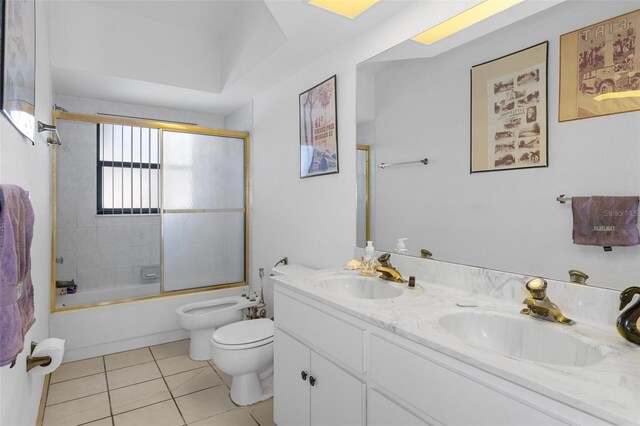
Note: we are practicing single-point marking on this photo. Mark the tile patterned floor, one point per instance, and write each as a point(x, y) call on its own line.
point(154, 386)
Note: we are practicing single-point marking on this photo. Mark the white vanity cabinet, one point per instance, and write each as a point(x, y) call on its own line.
point(310, 388)
point(365, 375)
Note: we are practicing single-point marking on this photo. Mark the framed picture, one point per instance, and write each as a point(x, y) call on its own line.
point(509, 111)
point(18, 49)
point(319, 130)
point(600, 69)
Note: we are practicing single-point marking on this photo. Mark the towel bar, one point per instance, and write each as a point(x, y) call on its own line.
point(424, 161)
point(562, 199)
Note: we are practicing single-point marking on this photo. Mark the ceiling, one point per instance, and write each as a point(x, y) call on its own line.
point(214, 56)
point(210, 56)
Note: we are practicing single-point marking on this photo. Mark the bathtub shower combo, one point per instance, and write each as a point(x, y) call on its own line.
point(133, 198)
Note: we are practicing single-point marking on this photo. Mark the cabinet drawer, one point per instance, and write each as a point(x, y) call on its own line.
point(335, 337)
point(444, 394)
point(383, 412)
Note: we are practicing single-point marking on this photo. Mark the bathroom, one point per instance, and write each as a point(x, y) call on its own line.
point(313, 221)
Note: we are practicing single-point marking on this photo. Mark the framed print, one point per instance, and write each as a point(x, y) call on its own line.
point(509, 111)
point(319, 130)
point(18, 64)
point(600, 69)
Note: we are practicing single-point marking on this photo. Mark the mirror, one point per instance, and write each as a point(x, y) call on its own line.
point(18, 47)
point(413, 106)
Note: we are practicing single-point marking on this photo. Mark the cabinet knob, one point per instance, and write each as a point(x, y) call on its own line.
point(312, 380)
point(304, 375)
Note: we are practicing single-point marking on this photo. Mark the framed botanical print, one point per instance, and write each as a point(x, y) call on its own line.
point(319, 130)
point(509, 111)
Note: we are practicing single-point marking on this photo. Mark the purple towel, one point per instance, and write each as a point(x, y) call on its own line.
point(605, 221)
point(16, 291)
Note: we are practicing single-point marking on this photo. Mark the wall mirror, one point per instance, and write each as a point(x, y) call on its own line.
point(132, 200)
point(413, 102)
point(18, 60)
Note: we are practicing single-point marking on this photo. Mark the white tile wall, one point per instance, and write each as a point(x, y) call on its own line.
point(98, 251)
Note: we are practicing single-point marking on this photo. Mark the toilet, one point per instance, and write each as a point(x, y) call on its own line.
point(241, 349)
point(244, 350)
point(203, 318)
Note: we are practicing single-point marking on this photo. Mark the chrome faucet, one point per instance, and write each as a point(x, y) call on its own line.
point(388, 271)
point(539, 305)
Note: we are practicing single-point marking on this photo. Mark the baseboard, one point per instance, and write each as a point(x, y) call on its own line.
point(75, 354)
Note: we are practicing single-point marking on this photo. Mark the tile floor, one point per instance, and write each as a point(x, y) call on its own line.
point(153, 386)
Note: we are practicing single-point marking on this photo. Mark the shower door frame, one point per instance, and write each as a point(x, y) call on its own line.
point(161, 126)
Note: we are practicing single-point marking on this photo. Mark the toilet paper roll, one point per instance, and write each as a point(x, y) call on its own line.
point(53, 348)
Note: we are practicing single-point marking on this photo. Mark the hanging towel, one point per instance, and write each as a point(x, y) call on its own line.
point(605, 221)
point(16, 291)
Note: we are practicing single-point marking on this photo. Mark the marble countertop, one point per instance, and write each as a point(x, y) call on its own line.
point(608, 389)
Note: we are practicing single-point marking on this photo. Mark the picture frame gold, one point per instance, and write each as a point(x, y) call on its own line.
point(509, 111)
point(600, 69)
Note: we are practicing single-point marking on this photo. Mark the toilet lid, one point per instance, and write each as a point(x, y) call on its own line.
point(243, 332)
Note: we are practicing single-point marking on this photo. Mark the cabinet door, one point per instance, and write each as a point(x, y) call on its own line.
point(337, 398)
point(290, 392)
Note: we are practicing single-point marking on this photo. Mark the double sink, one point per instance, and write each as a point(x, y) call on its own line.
point(510, 335)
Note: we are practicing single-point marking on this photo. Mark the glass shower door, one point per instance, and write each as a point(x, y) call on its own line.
point(203, 223)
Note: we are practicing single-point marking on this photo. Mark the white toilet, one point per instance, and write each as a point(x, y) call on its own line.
point(203, 318)
point(244, 350)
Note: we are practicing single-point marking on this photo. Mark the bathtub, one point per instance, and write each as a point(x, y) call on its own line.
point(107, 294)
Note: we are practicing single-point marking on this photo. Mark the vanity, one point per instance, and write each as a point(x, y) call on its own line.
point(352, 350)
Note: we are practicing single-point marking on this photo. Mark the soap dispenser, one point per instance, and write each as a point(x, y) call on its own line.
point(369, 251)
point(400, 247)
point(369, 265)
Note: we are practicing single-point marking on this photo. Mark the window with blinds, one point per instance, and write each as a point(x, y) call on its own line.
point(128, 167)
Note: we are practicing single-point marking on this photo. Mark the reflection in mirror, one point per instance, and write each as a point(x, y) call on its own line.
point(411, 107)
point(362, 216)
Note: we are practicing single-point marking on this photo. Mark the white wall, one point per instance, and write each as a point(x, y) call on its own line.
point(240, 119)
point(30, 167)
point(313, 220)
point(502, 220)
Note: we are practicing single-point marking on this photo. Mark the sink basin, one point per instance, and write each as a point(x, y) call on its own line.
point(522, 337)
point(358, 287)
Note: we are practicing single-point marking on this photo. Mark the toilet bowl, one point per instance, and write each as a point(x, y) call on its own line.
point(203, 318)
point(244, 350)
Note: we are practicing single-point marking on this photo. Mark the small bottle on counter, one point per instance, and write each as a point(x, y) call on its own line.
point(400, 247)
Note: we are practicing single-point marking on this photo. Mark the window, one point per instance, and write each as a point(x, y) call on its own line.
point(128, 170)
